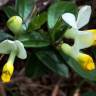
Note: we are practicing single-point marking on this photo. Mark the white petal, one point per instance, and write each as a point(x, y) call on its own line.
point(75, 51)
point(21, 50)
point(7, 46)
point(70, 19)
point(83, 40)
point(83, 16)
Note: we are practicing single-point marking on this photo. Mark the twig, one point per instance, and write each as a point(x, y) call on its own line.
point(56, 88)
point(77, 92)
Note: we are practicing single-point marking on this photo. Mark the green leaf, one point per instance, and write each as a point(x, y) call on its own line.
point(10, 11)
point(24, 7)
point(90, 75)
point(58, 30)
point(35, 43)
point(90, 93)
point(52, 62)
point(35, 39)
point(34, 67)
point(37, 21)
point(4, 36)
point(57, 9)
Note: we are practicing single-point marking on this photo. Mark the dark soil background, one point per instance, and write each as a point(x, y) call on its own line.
point(49, 84)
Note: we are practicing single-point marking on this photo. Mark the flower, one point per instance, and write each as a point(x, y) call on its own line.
point(85, 60)
point(15, 24)
point(82, 39)
point(14, 48)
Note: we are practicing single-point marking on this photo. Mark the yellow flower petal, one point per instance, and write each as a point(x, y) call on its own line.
point(7, 72)
point(93, 31)
point(86, 61)
point(6, 77)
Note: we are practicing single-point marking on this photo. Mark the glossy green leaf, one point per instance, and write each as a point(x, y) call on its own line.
point(10, 11)
point(37, 21)
point(24, 7)
point(4, 36)
point(34, 67)
point(35, 43)
point(90, 75)
point(35, 39)
point(57, 9)
point(58, 30)
point(52, 62)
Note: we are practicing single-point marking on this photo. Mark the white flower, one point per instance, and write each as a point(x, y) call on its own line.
point(82, 39)
point(14, 48)
point(7, 46)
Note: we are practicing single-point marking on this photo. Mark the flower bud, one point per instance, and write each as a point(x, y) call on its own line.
point(7, 72)
point(86, 61)
point(15, 24)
